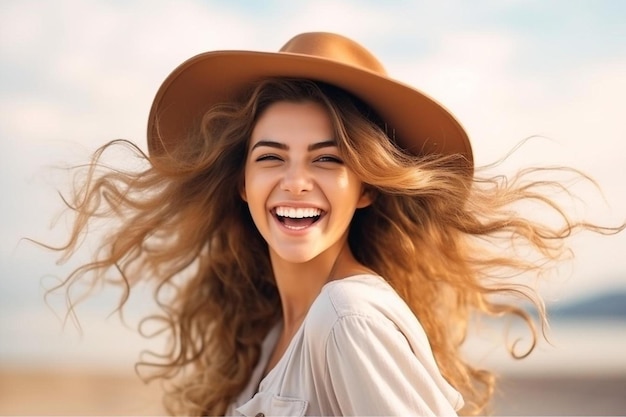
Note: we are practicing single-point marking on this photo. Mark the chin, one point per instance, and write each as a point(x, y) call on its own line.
point(295, 257)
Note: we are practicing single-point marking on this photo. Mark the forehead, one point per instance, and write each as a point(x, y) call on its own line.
point(287, 122)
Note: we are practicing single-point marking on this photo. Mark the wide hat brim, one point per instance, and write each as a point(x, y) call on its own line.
point(420, 125)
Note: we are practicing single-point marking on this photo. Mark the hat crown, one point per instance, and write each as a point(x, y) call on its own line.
point(335, 48)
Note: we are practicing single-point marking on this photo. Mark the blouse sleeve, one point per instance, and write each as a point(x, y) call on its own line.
point(373, 370)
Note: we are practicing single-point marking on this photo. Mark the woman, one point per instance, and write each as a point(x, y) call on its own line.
point(323, 232)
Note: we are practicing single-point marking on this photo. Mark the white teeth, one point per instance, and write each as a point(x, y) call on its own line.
point(298, 213)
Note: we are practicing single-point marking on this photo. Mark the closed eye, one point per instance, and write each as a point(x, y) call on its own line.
point(268, 157)
point(329, 158)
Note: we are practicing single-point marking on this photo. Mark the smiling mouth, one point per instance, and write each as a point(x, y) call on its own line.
point(297, 218)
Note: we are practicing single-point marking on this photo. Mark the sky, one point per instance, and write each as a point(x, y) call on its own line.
point(75, 74)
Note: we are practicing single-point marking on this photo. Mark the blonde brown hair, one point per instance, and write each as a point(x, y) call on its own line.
point(182, 224)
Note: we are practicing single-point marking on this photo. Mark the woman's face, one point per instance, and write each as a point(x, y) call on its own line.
point(300, 193)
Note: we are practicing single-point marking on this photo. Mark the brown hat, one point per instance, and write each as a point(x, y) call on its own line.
point(421, 125)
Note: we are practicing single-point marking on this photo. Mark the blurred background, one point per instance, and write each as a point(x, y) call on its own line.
point(75, 74)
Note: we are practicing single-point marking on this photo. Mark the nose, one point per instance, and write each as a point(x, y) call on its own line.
point(297, 179)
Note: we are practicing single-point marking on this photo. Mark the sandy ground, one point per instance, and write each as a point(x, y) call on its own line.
point(553, 395)
point(36, 392)
point(55, 393)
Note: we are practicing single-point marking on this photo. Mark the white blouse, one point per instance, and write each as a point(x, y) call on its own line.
point(359, 351)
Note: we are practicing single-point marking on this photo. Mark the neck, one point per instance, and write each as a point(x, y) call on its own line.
point(300, 283)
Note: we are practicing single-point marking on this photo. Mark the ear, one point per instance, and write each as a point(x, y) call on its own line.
point(367, 197)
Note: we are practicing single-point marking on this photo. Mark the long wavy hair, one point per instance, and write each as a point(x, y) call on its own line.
point(447, 242)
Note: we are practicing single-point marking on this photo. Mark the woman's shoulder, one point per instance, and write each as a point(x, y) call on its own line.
point(366, 297)
point(360, 295)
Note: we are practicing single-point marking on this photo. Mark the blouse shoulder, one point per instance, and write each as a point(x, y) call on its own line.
point(359, 294)
point(360, 326)
point(348, 296)
point(369, 297)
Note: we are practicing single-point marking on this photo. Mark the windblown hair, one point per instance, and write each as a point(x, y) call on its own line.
point(446, 241)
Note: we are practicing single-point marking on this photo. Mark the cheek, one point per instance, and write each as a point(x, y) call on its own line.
point(248, 192)
point(349, 184)
point(248, 182)
point(256, 189)
point(343, 181)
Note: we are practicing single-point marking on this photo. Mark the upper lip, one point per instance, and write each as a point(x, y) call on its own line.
point(296, 204)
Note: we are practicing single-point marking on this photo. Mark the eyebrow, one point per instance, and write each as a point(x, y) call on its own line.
point(282, 146)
